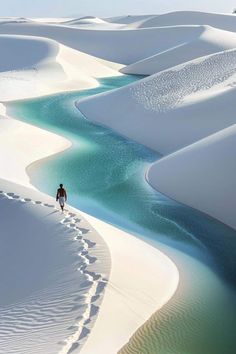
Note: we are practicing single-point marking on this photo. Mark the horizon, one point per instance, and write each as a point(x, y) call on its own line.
point(71, 8)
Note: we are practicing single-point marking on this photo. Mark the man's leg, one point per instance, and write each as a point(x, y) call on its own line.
point(61, 205)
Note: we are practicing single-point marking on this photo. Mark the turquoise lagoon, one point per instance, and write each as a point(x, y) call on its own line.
point(104, 174)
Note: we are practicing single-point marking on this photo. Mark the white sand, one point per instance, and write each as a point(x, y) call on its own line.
point(56, 304)
point(218, 20)
point(204, 175)
point(49, 68)
point(110, 44)
point(54, 268)
point(142, 280)
point(17, 139)
point(173, 108)
point(208, 41)
point(129, 300)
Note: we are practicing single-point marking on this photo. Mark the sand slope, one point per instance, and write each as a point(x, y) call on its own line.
point(184, 40)
point(142, 280)
point(210, 41)
point(50, 285)
point(179, 18)
point(173, 108)
point(128, 19)
point(92, 22)
point(112, 45)
point(202, 175)
point(16, 140)
point(32, 66)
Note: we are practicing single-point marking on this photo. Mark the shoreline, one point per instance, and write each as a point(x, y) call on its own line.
point(127, 317)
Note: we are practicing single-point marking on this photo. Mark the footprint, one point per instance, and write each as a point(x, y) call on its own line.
point(87, 321)
point(101, 286)
point(85, 331)
point(91, 259)
point(93, 310)
point(16, 197)
point(90, 243)
point(95, 298)
point(77, 220)
point(38, 202)
point(66, 220)
point(26, 200)
point(93, 275)
point(10, 194)
point(84, 231)
point(73, 347)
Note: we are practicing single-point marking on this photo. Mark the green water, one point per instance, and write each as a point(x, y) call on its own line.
point(105, 176)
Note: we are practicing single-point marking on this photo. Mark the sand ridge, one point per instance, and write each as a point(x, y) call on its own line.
point(67, 290)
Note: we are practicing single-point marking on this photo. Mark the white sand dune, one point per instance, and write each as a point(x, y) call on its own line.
point(170, 45)
point(55, 270)
point(40, 49)
point(129, 19)
point(5, 20)
point(16, 140)
point(179, 18)
point(112, 45)
point(32, 66)
point(85, 20)
point(209, 41)
point(91, 22)
point(50, 292)
point(202, 175)
point(173, 108)
point(52, 20)
point(142, 280)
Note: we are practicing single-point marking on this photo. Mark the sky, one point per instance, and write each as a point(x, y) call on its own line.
point(103, 8)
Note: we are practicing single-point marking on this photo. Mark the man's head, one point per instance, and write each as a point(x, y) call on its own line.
point(61, 185)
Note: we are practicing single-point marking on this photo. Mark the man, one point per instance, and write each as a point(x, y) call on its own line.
point(61, 196)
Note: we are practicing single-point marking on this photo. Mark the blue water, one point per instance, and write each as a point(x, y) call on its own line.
point(104, 174)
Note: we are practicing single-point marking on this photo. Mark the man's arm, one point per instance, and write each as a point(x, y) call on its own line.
point(57, 196)
point(65, 196)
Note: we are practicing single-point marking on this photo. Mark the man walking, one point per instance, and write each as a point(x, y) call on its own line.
point(61, 196)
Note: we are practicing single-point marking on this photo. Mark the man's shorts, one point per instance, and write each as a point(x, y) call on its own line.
point(61, 201)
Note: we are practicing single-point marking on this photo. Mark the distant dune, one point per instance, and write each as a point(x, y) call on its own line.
point(223, 21)
point(111, 44)
point(32, 66)
point(208, 41)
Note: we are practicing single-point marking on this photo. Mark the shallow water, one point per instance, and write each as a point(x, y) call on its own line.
point(104, 174)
